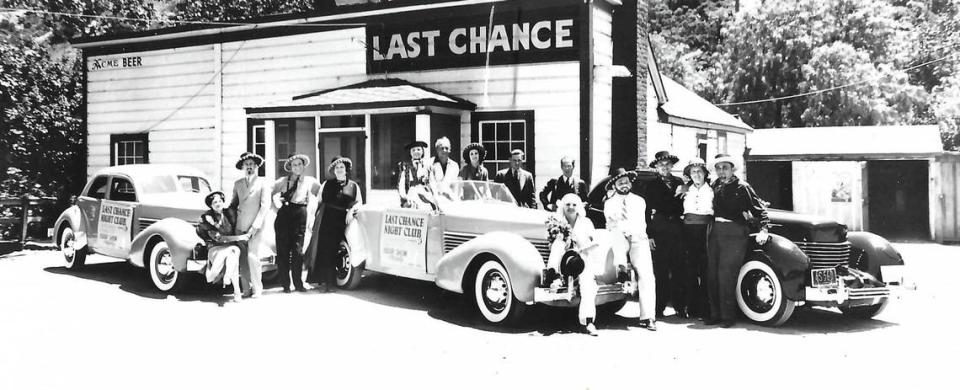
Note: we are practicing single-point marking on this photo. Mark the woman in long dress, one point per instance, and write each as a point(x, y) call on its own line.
point(473, 169)
point(217, 228)
point(573, 231)
point(339, 199)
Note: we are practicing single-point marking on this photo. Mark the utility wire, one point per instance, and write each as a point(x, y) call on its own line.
point(195, 22)
point(819, 91)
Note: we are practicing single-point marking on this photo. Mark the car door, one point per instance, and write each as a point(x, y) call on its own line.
point(402, 247)
point(115, 223)
point(89, 204)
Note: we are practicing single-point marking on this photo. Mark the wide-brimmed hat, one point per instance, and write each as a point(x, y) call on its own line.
point(620, 172)
point(249, 156)
point(662, 156)
point(300, 156)
point(724, 158)
point(474, 146)
point(339, 159)
point(416, 144)
point(571, 264)
point(209, 198)
point(694, 162)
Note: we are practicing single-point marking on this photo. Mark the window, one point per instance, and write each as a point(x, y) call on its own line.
point(722, 142)
point(502, 132)
point(98, 189)
point(129, 149)
point(294, 136)
point(122, 190)
point(194, 184)
point(388, 135)
point(257, 142)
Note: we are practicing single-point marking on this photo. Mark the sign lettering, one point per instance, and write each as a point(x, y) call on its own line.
point(113, 229)
point(120, 62)
point(403, 239)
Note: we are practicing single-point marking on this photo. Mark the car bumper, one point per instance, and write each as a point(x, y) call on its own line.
point(846, 296)
point(567, 297)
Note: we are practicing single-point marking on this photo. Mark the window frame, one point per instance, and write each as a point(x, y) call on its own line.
point(112, 189)
point(116, 139)
point(525, 116)
point(252, 142)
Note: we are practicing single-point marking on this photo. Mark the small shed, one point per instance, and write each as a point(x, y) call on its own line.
point(895, 181)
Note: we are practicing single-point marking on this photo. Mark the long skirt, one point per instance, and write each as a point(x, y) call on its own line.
point(223, 264)
point(727, 248)
point(328, 255)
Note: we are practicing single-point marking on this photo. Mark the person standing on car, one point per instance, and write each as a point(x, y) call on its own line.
point(738, 211)
point(473, 157)
point(291, 223)
point(412, 174)
point(625, 215)
point(339, 199)
point(223, 254)
point(251, 200)
point(697, 216)
point(664, 208)
point(518, 180)
point(576, 242)
point(565, 184)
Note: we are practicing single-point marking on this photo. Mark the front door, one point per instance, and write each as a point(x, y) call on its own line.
point(350, 144)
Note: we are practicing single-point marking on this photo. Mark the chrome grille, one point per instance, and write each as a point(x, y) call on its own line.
point(826, 254)
point(144, 223)
point(870, 292)
point(543, 246)
point(451, 240)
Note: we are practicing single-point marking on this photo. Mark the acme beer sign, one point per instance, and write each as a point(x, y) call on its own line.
point(509, 37)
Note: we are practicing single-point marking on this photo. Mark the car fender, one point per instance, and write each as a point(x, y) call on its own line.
point(877, 251)
point(521, 259)
point(181, 237)
point(69, 218)
point(787, 260)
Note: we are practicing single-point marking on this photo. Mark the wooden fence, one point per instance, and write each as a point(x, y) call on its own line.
point(24, 212)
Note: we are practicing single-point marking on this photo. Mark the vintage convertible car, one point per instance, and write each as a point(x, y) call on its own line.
point(473, 240)
point(143, 213)
point(808, 260)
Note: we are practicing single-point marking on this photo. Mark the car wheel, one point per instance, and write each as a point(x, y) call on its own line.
point(760, 295)
point(74, 257)
point(162, 272)
point(493, 294)
point(348, 276)
point(865, 312)
point(610, 309)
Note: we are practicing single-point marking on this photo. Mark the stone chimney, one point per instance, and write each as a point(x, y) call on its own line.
point(641, 78)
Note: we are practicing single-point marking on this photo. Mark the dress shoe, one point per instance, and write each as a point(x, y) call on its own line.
point(649, 324)
point(237, 297)
point(682, 313)
point(301, 289)
point(728, 323)
point(286, 289)
point(660, 315)
point(592, 329)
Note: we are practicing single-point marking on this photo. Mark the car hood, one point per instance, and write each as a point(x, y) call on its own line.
point(805, 227)
point(485, 217)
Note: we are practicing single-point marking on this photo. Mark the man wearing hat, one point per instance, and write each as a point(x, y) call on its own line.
point(518, 180)
point(625, 215)
point(411, 173)
point(290, 226)
point(737, 212)
point(565, 184)
point(251, 200)
point(664, 208)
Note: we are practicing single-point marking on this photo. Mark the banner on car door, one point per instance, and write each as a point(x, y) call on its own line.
point(403, 238)
point(113, 228)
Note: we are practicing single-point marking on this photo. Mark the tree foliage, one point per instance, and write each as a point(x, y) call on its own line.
point(810, 47)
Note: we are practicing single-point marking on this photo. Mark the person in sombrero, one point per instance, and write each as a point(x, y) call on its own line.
point(473, 156)
point(295, 191)
point(339, 200)
point(412, 174)
point(625, 215)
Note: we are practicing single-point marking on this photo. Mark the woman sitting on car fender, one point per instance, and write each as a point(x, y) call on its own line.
point(575, 250)
point(218, 228)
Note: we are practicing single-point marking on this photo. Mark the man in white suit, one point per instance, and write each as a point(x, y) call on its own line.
point(251, 199)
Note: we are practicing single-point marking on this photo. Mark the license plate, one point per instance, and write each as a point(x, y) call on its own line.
point(825, 277)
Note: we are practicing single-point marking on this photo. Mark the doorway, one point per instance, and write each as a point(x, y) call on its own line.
point(345, 143)
point(898, 199)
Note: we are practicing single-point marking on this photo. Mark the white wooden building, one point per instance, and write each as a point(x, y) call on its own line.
point(361, 81)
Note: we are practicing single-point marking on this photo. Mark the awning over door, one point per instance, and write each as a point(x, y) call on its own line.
point(372, 94)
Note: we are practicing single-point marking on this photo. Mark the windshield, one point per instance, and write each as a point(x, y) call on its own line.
point(181, 183)
point(477, 191)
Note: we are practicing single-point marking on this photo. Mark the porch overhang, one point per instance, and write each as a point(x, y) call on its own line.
point(380, 96)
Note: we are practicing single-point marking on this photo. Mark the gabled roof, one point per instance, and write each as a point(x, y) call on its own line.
point(845, 143)
point(683, 107)
point(379, 93)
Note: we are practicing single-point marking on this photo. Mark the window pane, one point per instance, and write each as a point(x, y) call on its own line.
point(503, 150)
point(487, 131)
point(517, 131)
point(503, 131)
point(260, 137)
point(491, 149)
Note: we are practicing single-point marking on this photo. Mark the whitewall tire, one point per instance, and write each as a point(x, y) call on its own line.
point(760, 295)
point(73, 257)
point(493, 294)
point(163, 274)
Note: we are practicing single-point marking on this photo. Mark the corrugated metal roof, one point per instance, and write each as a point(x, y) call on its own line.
point(683, 107)
point(846, 141)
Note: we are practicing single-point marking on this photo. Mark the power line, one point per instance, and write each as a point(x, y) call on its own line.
point(181, 21)
point(819, 91)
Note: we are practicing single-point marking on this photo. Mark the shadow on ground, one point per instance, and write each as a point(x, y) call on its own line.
point(136, 281)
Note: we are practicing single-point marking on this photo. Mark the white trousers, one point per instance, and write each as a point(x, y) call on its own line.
point(587, 279)
point(639, 252)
